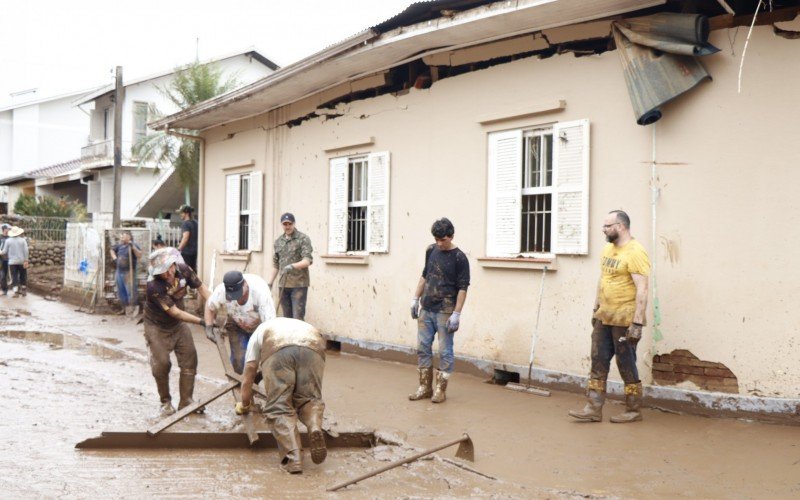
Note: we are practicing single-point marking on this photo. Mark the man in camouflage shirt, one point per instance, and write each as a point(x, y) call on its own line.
point(291, 258)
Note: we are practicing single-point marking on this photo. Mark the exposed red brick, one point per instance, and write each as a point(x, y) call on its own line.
point(667, 377)
point(703, 364)
point(664, 367)
point(718, 372)
point(694, 370)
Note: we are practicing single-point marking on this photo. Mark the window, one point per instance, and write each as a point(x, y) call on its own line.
point(359, 204)
point(538, 191)
point(243, 200)
point(140, 115)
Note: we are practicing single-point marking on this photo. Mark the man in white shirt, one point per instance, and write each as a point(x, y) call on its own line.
point(248, 302)
point(291, 356)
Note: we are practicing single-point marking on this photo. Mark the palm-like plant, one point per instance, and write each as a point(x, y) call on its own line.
point(192, 84)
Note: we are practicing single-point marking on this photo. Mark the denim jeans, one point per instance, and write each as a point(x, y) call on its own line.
point(19, 275)
point(238, 339)
point(293, 302)
point(127, 295)
point(428, 325)
point(605, 345)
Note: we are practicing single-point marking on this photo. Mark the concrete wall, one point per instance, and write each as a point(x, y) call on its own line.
point(725, 297)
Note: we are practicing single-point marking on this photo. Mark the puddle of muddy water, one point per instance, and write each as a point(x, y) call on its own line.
point(59, 390)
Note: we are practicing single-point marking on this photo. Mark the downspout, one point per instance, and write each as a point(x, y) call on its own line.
point(200, 194)
point(655, 193)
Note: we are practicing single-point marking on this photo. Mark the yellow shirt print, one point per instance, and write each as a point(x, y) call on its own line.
point(617, 290)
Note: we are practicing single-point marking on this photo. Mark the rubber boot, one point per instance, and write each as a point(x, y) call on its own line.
point(596, 396)
point(186, 387)
point(439, 393)
point(311, 416)
point(284, 430)
point(23, 290)
point(425, 389)
point(633, 405)
point(162, 385)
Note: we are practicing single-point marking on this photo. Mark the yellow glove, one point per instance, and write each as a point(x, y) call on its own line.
point(242, 409)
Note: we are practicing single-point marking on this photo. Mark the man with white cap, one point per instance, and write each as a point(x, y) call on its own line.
point(165, 327)
point(248, 302)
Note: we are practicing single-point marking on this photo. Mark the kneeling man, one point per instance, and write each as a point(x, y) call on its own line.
point(291, 356)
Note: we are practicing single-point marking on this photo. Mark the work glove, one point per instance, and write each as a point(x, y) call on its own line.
point(210, 334)
point(634, 333)
point(594, 320)
point(202, 322)
point(453, 322)
point(415, 308)
point(289, 268)
point(241, 409)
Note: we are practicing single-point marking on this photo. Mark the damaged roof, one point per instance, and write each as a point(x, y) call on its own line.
point(422, 30)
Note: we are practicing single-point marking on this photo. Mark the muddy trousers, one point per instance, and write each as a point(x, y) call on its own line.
point(293, 302)
point(238, 339)
point(293, 382)
point(126, 293)
point(19, 276)
point(160, 343)
point(4, 275)
point(605, 345)
point(429, 325)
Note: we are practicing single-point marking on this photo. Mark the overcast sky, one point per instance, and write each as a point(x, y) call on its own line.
point(59, 46)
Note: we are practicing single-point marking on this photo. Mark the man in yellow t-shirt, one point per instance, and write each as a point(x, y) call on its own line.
point(619, 314)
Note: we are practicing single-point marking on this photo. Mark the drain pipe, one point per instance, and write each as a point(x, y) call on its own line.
point(200, 195)
point(655, 194)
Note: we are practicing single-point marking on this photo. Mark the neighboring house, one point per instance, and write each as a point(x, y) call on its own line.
point(145, 192)
point(39, 132)
point(485, 114)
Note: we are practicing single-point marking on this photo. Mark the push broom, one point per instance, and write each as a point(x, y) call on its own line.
point(527, 387)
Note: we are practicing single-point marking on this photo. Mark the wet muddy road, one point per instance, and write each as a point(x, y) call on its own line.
point(54, 397)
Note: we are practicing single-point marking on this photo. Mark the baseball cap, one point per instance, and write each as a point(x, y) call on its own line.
point(287, 217)
point(234, 285)
point(5, 226)
point(185, 208)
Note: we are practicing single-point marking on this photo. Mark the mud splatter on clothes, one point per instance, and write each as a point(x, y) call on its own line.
point(445, 273)
point(617, 295)
point(161, 296)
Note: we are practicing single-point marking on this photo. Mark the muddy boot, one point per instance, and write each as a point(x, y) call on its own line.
point(439, 395)
point(284, 430)
point(596, 396)
point(166, 409)
point(186, 387)
point(633, 403)
point(425, 389)
point(311, 416)
point(23, 290)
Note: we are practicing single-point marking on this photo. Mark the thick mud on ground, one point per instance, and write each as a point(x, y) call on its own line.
point(66, 389)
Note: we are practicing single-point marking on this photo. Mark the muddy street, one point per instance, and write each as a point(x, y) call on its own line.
point(90, 375)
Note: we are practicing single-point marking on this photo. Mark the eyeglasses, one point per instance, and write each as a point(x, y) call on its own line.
point(606, 226)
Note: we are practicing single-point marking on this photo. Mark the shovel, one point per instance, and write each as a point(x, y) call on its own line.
point(465, 451)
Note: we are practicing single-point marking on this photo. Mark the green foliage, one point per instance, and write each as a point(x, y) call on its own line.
point(49, 206)
point(191, 85)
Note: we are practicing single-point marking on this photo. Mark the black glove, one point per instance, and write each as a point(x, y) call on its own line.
point(202, 322)
point(210, 334)
point(594, 320)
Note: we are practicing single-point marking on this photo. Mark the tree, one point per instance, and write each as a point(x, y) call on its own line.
point(192, 84)
point(49, 206)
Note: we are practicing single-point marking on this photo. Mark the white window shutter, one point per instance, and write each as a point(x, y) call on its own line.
point(378, 212)
point(93, 196)
point(232, 213)
point(505, 191)
point(107, 195)
point(337, 212)
point(254, 231)
point(571, 187)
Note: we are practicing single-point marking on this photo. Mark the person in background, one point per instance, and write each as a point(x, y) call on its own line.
point(15, 248)
point(291, 258)
point(188, 245)
point(126, 255)
point(4, 260)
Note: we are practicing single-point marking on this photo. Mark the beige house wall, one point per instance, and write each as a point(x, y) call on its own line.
point(726, 219)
